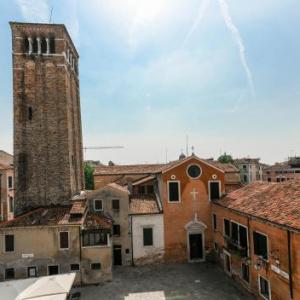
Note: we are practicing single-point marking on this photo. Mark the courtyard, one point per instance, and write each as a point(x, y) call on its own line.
point(168, 282)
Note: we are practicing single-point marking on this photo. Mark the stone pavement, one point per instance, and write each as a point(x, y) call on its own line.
point(203, 281)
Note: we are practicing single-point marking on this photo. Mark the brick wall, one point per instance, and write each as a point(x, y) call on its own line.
point(48, 147)
point(277, 254)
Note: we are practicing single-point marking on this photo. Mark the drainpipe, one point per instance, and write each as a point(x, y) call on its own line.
point(132, 262)
point(79, 235)
point(290, 264)
point(249, 237)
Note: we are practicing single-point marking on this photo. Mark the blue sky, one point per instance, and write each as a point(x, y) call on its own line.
point(224, 72)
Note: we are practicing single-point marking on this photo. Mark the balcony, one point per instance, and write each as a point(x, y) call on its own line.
point(234, 248)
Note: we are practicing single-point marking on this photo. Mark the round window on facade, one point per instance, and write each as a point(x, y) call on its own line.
point(194, 171)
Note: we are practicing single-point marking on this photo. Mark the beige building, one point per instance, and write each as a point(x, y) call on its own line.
point(147, 226)
point(7, 190)
point(112, 201)
point(55, 240)
point(250, 168)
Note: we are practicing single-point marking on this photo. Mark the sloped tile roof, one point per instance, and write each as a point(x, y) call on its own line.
point(226, 167)
point(78, 207)
point(148, 169)
point(53, 216)
point(128, 169)
point(143, 206)
point(97, 220)
point(274, 202)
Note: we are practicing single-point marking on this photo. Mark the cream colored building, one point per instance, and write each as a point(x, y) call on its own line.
point(112, 201)
point(55, 240)
point(7, 190)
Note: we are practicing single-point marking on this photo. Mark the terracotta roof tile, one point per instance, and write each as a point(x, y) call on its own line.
point(78, 207)
point(143, 206)
point(226, 167)
point(97, 220)
point(128, 169)
point(45, 216)
point(275, 202)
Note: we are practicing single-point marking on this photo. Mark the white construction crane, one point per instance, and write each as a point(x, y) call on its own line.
point(102, 147)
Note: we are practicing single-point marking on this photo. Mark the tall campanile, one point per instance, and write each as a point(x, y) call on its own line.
point(48, 156)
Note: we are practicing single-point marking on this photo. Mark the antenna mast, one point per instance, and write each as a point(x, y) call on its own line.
point(187, 145)
point(50, 15)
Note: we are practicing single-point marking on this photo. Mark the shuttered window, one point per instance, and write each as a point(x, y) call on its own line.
point(9, 243)
point(148, 236)
point(64, 240)
point(260, 245)
point(173, 191)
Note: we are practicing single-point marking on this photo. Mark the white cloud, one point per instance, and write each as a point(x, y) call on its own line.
point(34, 10)
point(202, 9)
point(238, 40)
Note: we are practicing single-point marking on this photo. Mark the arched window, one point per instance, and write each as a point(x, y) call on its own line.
point(44, 45)
point(52, 45)
point(26, 45)
point(35, 46)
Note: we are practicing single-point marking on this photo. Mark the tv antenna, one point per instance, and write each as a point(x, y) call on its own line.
point(50, 15)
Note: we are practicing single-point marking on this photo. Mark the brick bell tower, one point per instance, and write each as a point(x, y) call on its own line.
point(48, 156)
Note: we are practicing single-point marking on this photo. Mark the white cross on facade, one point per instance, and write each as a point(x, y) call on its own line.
point(194, 194)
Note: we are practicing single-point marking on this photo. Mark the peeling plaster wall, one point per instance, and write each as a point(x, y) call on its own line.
point(149, 254)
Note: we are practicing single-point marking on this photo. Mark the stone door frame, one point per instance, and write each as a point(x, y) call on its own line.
point(195, 227)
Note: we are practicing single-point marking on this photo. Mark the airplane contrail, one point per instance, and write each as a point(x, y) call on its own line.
point(202, 10)
point(238, 40)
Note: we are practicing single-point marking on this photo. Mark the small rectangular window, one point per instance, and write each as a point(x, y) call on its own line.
point(214, 221)
point(98, 205)
point(116, 230)
point(264, 287)
point(214, 190)
point(94, 238)
point(245, 272)
point(11, 204)
point(148, 236)
point(10, 182)
point(95, 266)
point(31, 272)
point(116, 204)
point(64, 240)
point(29, 113)
point(260, 245)
point(174, 194)
point(9, 243)
point(226, 227)
point(10, 273)
point(74, 267)
point(53, 270)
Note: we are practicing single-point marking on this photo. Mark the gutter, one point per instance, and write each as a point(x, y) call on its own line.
point(131, 240)
point(80, 255)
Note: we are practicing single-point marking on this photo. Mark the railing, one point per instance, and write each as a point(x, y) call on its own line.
point(235, 249)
